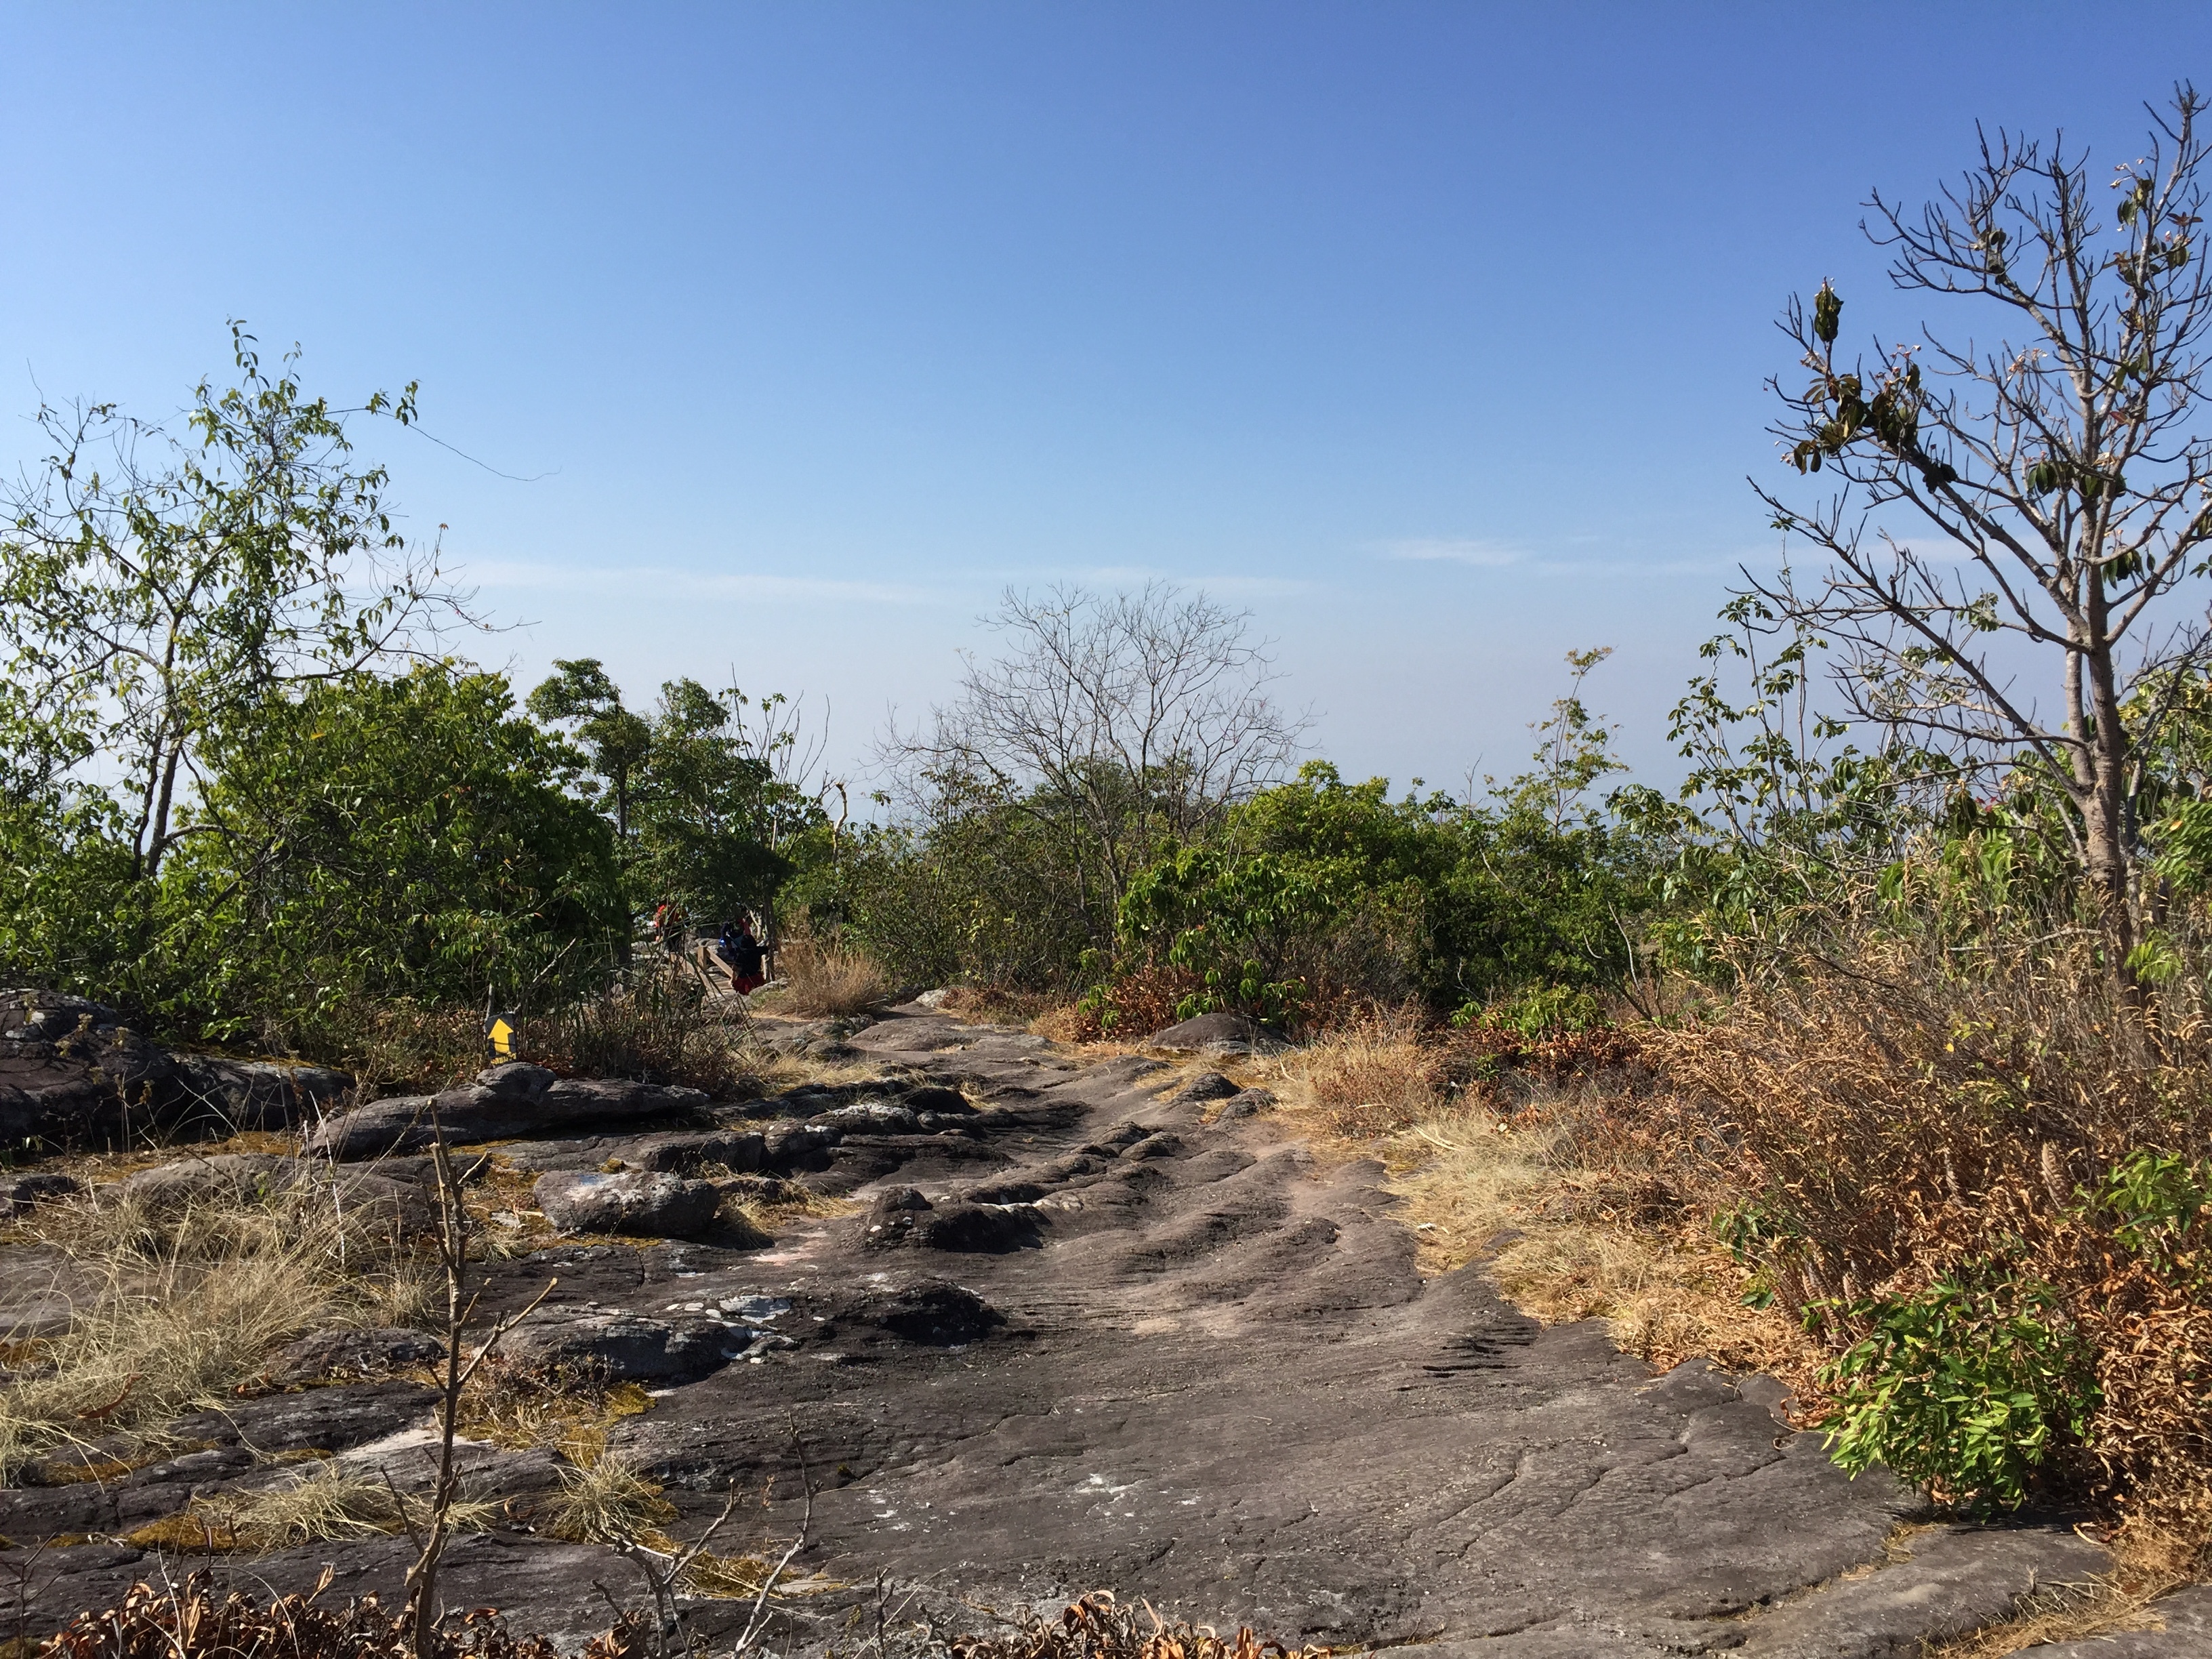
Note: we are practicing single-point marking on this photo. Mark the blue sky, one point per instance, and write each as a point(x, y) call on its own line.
point(1433, 334)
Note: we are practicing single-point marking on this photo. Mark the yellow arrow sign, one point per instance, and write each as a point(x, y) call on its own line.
point(501, 1036)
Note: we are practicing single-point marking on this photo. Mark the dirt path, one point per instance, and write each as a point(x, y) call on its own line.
point(1106, 1338)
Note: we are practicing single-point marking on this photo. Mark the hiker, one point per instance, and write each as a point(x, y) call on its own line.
point(742, 954)
point(668, 927)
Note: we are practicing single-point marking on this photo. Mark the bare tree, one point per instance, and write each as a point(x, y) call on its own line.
point(2038, 492)
point(1124, 722)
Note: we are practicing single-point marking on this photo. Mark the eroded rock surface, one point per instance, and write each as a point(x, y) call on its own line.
point(642, 1202)
point(77, 1072)
point(1085, 1327)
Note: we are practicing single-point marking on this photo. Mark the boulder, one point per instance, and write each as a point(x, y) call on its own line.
point(738, 1151)
point(504, 1102)
point(27, 1192)
point(620, 1347)
point(1207, 1085)
point(930, 1312)
point(351, 1356)
point(252, 1094)
point(872, 1117)
point(798, 1146)
point(901, 1216)
point(945, 1102)
point(640, 1202)
point(1228, 1035)
point(72, 1069)
point(1248, 1103)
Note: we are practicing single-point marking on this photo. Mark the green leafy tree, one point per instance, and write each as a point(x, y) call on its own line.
point(371, 837)
point(581, 696)
point(153, 585)
point(715, 814)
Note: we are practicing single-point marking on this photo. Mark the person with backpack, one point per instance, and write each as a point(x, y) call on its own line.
point(743, 955)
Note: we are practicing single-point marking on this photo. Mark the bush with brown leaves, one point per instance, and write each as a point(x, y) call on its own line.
point(1906, 1120)
point(192, 1623)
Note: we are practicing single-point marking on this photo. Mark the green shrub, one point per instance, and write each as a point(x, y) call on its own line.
point(1969, 1386)
point(1536, 1012)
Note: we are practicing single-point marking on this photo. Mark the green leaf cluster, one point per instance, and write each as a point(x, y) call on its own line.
point(1972, 1384)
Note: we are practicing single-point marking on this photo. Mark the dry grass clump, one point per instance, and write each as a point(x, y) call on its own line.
point(185, 1308)
point(606, 1500)
point(567, 1406)
point(823, 979)
point(1379, 1073)
point(662, 1028)
point(1574, 1221)
point(2009, 1119)
point(336, 1499)
point(1561, 1167)
point(190, 1622)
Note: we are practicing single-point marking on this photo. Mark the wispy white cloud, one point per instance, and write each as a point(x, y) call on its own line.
point(1452, 549)
point(650, 581)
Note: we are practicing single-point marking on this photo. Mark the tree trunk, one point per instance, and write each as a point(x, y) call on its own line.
point(2104, 819)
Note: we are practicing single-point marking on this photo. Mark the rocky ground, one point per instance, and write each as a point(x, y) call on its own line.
point(1079, 1326)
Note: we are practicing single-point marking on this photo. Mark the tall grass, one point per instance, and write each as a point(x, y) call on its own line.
point(824, 979)
point(183, 1307)
point(660, 1028)
point(1380, 1072)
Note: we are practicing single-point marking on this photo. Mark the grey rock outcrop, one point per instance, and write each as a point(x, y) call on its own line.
point(625, 1348)
point(638, 1202)
point(1205, 1086)
point(73, 1070)
point(351, 1356)
point(27, 1192)
point(507, 1101)
point(1227, 1036)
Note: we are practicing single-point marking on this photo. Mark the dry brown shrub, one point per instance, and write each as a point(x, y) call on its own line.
point(1574, 1197)
point(1907, 1117)
point(1068, 1021)
point(401, 1047)
point(1145, 998)
point(190, 1622)
point(663, 1028)
point(823, 979)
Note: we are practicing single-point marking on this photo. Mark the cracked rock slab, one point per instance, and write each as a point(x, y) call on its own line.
point(1955, 1579)
point(2185, 1620)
